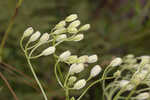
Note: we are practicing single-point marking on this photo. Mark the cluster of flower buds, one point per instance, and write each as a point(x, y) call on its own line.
point(68, 29)
point(78, 65)
point(131, 72)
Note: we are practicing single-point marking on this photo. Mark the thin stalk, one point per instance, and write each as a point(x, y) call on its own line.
point(35, 76)
point(92, 85)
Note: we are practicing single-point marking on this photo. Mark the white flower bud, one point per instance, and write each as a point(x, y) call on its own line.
point(76, 68)
point(72, 30)
point(61, 24)
point(143, 96)
point(28, 32)
point(85, 27)
point(80, 84)
point(72, 98)
point(116, 62)
point(92, 59)
point(71, 18)
point(145, 59)
point(48, 51)
point(75, 23)
point(60, 31)
point(44, 38)
point(95, 71)
point(35, 36)
point(78, 37)
point(64, 55)
point(61, 37)
point(124, 83)
point(83, 59)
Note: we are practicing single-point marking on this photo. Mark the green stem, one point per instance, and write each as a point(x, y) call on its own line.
point(92, 85)
point(131, 93)
point(35, 76)
point(55, 69)
point(67, 94)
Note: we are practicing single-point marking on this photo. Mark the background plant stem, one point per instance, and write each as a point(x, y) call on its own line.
point(9, 28)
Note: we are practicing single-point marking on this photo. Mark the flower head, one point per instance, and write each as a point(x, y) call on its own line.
point(64, 55)
point(44, 38)
point(76, 68)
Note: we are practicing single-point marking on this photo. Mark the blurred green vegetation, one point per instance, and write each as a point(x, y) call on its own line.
point(119, 27)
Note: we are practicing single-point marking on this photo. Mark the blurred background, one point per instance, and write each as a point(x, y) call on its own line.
point(118, 27)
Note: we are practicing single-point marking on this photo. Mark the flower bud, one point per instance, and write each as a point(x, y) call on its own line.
point(35, 36)
point(64, 55)
point(92, 59)
point(78, 37)
point(95, 71)
point(72, 59)
point(76, 68)
point(71, 18)
point(72, 30)
point(74, 24)
point(61, 24)
point(145, 59)
point(61, 37)
point(72, 98)
point(85, 27)
point(44, 38)
point(71, 80)
point(60, 31)
point(80, 84)
point(28, 32)
point(83, 59)
point(116, 62)
point(48, 51)
point(117, 73)
point(124, 83)
point(143, 96)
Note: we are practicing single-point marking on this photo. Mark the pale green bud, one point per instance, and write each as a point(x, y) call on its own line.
point(60, 31)
point(83, 59)
point(35, 36)
point(75, 23)
point(78, 37)
point(72, 98)
point(71, 80)
point(80, 84)
point(72, 59)
point(61, 37)
point(71, 18)
point(61, 24)
point(44, 38)
point(28, 32)
point(85, 27)
point(72, 30)
point(48, 51)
